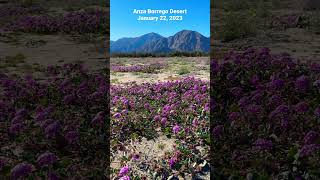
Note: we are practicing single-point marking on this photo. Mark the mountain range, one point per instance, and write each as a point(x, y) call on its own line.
point(183, 41)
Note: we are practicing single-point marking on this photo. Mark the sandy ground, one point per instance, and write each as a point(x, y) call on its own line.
point(302, 43)
point(193, 66)
point(149, 151)
point(44, 50)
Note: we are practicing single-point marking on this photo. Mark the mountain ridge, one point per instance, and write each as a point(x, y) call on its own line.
point(183, 41)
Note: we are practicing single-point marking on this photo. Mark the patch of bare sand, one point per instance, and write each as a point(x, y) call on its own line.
point(56, 50)
point(148, 150)
point(197, 67)
point(300, 43)
point(151, 78)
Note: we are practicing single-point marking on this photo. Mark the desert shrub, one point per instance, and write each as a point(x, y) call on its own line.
point(183, 70)
point(238, 25)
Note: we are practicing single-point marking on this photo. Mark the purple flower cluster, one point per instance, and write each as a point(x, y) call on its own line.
point(46, 159)
point(268, 108)
point(71, 22)
point(21, 170)
point(37, 116)
point(178, 109)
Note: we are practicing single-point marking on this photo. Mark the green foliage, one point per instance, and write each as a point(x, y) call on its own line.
point(183, 70)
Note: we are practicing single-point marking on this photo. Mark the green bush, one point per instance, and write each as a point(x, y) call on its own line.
point(183, 70)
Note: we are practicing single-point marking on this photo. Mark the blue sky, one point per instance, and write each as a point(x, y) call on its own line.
point(124, 23)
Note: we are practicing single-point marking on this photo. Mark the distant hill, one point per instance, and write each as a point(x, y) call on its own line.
point(183, 41)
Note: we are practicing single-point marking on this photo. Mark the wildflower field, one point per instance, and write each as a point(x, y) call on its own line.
point(53, 108)
point(265, 116)
point(54, 128)
point(159, 127)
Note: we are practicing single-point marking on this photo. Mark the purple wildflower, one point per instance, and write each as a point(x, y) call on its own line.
point(276, 84)
point(98, 119)
point(156, 118)
point(124, 170)
point(254, 80)
point(231, 76)
point(309, 149)
point(206, 107)
point(263, 144)
point(214, 66)
point(195, 122)
point(301, 107)
point(21, 170)
point(317, 83)
point(282, 109)
point(125, 178)
point(117, 115)
point(275, 100)
point(52, 129)
point(68, 99)
point(2, 163)
point(172, 162)
point(164, 121)
point(236, 91)
point(176, 129)
point(310, 137)
point(217, 131)
point(72, 137)
point(16, 128)
point(136, 157)
point(52, 176)
point(233, 116)
point(244, 101)
point(21, 112)
point(46, 159)
point(302, 83)
point(317, 112)
point(254, 109)
point(17, 119)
